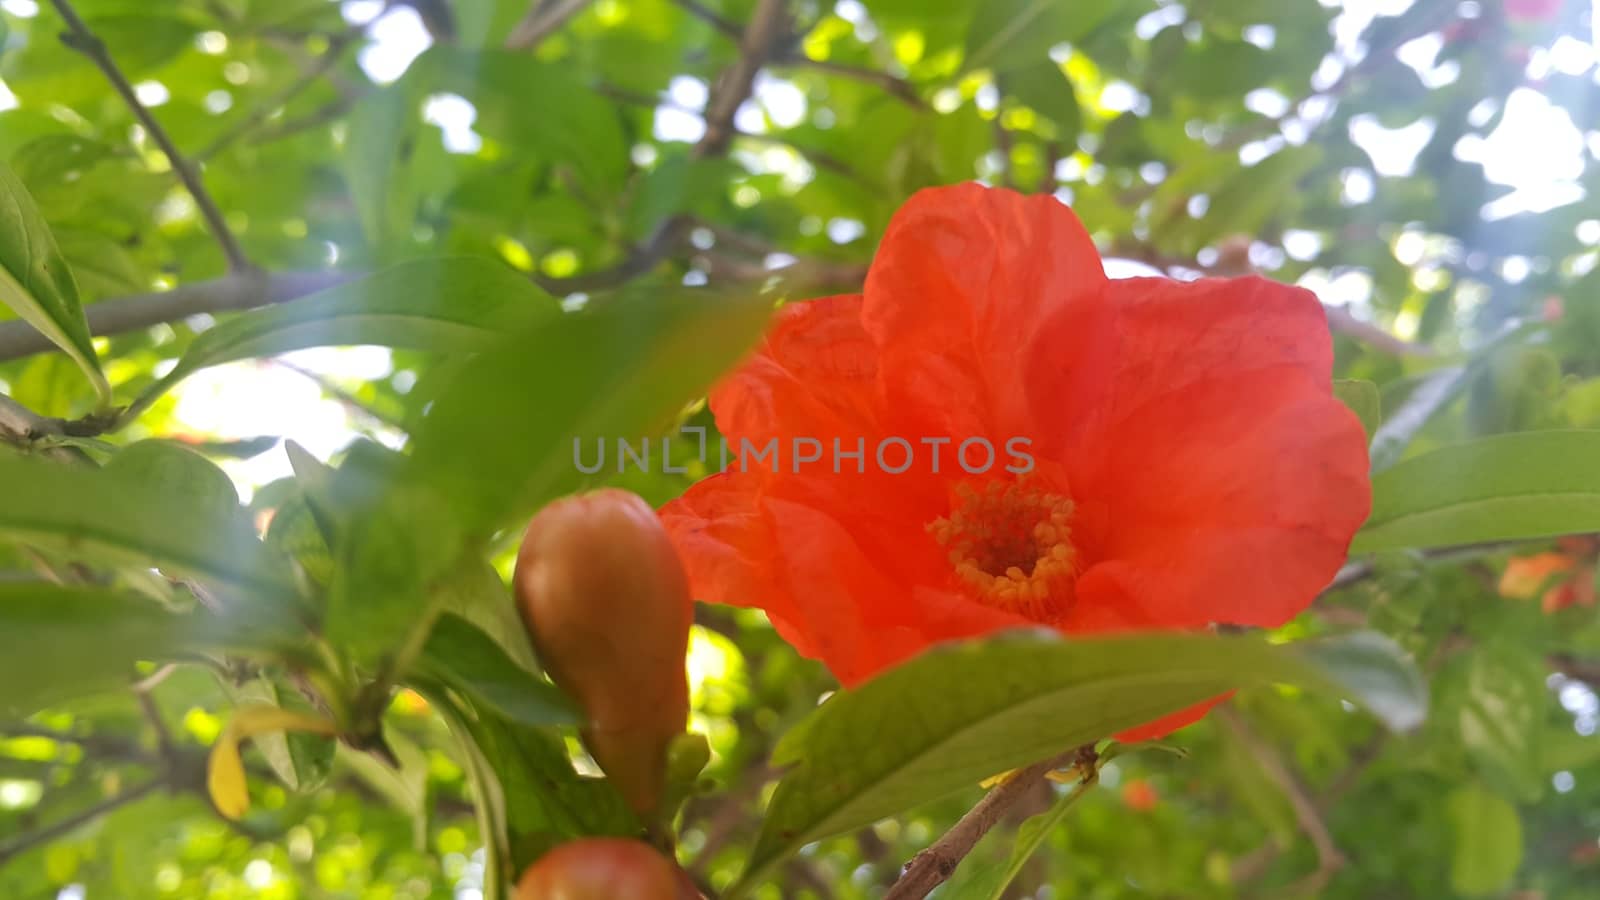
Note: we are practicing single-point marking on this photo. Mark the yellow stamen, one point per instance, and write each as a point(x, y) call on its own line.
point(1009, 547)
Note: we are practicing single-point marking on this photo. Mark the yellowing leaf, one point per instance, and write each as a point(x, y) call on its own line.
point(225, 778)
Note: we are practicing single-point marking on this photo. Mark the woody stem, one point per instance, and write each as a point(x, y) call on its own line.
point(933, 866)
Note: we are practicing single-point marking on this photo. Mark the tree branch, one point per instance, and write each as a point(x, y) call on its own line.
point(933, 866)
point(243, 290)
point(80, 38)
point(542, 20)
point(767, 23)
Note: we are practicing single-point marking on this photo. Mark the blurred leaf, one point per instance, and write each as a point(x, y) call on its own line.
point(1363, 400)
point(440, 305)
point(500, 435)
point(1503, 488)
point(1009, 33)
point(1433, 393)
point(955, 715)
point(1488, 846)
point(459, 655)
point(103, 516)
point(405, 787)
point(543, 801)
point(1045, 88)
point(36, 283)
point(59, 642)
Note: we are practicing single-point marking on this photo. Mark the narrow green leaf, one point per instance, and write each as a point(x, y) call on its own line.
point(1507, 487)
point(1432, 394)
point(405, 787)
point(460, 655)
point(447, 305)
point(955, 715)
point(61, 642)
point(499, 438)
point(36, 283)
point(1488, 846)
point(1363, 399)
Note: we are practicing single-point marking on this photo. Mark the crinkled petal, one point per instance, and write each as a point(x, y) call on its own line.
point(959, 287)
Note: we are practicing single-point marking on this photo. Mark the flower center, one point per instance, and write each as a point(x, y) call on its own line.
point(1010, 546)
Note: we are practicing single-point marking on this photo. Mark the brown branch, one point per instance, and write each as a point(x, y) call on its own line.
point(933, 866)
point(239, 291)
point(80, 38)
point(733, 87)
point(543, 20)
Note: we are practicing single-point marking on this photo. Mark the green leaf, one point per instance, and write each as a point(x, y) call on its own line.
point(1009, 33)
point(59, 642)
point(1507, 487)
point(958, 714)
point(499, 438)
point(301, 760)
point(458, 654)
point(1432, 394)
point(1488, 846)
point(114, 517)
point(1045, 88)
point(531, 785)
point(445, 305)
point(36, 283)
point(405, 786)
point(1363, 399)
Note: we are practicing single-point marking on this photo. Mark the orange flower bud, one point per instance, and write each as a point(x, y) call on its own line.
point(604, 869)
point(607, 603)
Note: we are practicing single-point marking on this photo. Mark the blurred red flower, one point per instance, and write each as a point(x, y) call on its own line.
point(1189, 463)
point(1140, 795)
point(1561, 578)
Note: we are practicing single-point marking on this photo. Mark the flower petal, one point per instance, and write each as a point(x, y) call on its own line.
point(813, 376)
point(1229, 479)
point(960, 284)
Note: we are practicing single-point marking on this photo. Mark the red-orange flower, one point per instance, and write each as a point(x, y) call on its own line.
point(1560, 578)
point(1188, 463)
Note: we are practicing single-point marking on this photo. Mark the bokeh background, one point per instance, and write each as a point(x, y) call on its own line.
point(1428, 168)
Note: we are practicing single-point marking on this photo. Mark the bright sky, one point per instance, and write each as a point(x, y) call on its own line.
point(1536, 150)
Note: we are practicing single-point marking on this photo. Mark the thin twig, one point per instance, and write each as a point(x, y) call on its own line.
point(344, 397)
point(1306, 813)
point(892, 84)
point(83, 40)
point(709, 15)
point(57, 829)
point(543, 20)
point(261, 113)
point(933, 866)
